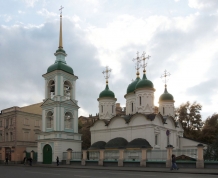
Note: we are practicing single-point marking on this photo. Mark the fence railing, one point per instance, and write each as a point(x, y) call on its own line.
point(156, 155)
point(192, 153)
point(93, 155)
point(132, 155)
point(76, 155)
point(111, 155)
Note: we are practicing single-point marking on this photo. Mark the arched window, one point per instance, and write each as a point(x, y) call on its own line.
point(68, 120)
point(51, 89)
point(49, 120)
point(140, 100)
point(67, 89)
point(112, 109)
point(102, 108)
point(132, 107)
point(163, 110)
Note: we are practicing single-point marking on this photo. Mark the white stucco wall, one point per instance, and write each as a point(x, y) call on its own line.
point(138, 127)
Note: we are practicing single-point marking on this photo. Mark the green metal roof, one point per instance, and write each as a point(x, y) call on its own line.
point(166, 96)
point(144, 83)
point(131, 87)
point(60, 66)
point(107, 93)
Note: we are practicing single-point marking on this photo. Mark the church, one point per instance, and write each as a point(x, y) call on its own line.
point(59, 110)
point(141, 126)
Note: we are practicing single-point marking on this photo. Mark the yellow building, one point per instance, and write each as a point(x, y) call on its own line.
point(19, 127)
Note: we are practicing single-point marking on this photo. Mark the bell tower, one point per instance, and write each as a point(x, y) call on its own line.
point(59, 109)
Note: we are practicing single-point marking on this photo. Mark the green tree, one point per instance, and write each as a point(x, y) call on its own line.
point(190, 117)
point(210, 129)
point(211, 152)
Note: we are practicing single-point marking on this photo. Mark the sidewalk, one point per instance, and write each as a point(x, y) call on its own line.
point(132, 169)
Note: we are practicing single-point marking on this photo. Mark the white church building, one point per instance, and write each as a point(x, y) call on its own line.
point(59, 110)
point(141, 127)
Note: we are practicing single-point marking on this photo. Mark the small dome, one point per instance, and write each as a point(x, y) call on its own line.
point(118, 142)
point(60, 66)
point(138, 143)
point(166, 96)
point(131, 87)
point(107, 93)
point(98, 145)
point(144, 83)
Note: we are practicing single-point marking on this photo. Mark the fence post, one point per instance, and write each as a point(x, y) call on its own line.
point(69, 155)
point(101, 158)
point(200, 159)
point(121, 157)
point(144, 157)
point(169, 155)
point(84, 158)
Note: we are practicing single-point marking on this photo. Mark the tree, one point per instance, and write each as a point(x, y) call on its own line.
point(190, 117)
point(211, 152)
point(210, 129)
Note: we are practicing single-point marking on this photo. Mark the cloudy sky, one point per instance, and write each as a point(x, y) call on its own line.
point(181, 36)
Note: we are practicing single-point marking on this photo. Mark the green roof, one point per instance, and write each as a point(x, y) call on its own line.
point(107, 93)
point(60, 66)
point(166, 96)
point(131, 87)
point(144, 83)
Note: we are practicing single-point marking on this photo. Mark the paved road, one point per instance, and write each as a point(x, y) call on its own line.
point(39, 172)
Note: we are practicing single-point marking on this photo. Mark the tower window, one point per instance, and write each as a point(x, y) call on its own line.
point(112, 109)
point(140, 100)
point(156, 139)
point(132, 107)
point(102, 108)
point(67, 89)
point(68, 121)
point(163, 110)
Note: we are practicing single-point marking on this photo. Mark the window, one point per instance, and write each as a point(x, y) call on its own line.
point(68, 120)
point(49, 119)
point(67, 90)
point(132, 107)
point(11, 121)
point(36, 123)
point(156, 139)
point(7, 122)
point(102, 108)
point(11, 136)
point(6, 137)
point(112, 109)
point(0, 123)
point(51, 89)
point(140, 100)
point(1, 136)
point(26, 121)
point(26, 136)
point(163, 110)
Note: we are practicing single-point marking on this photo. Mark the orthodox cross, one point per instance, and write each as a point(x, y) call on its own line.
point(165, 77)
point(107, 73)
point(61, 10)
point(138, 61)
point(144, 58)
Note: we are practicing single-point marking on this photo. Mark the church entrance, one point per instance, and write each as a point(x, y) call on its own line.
point(47, 154)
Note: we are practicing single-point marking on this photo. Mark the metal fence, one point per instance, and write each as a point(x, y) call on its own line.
point(192, 153)
point(156, 155)
point(76, 155)
point(93, 155)
point(132, 155)
point(111, 155)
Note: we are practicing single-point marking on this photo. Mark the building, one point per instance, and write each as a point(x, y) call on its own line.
point(19, 127)
point(142, 126)
point(59, 110)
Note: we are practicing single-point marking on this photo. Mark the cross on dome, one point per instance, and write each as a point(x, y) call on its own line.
point(107, 74)
point(165, 77)
point(144, 65)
